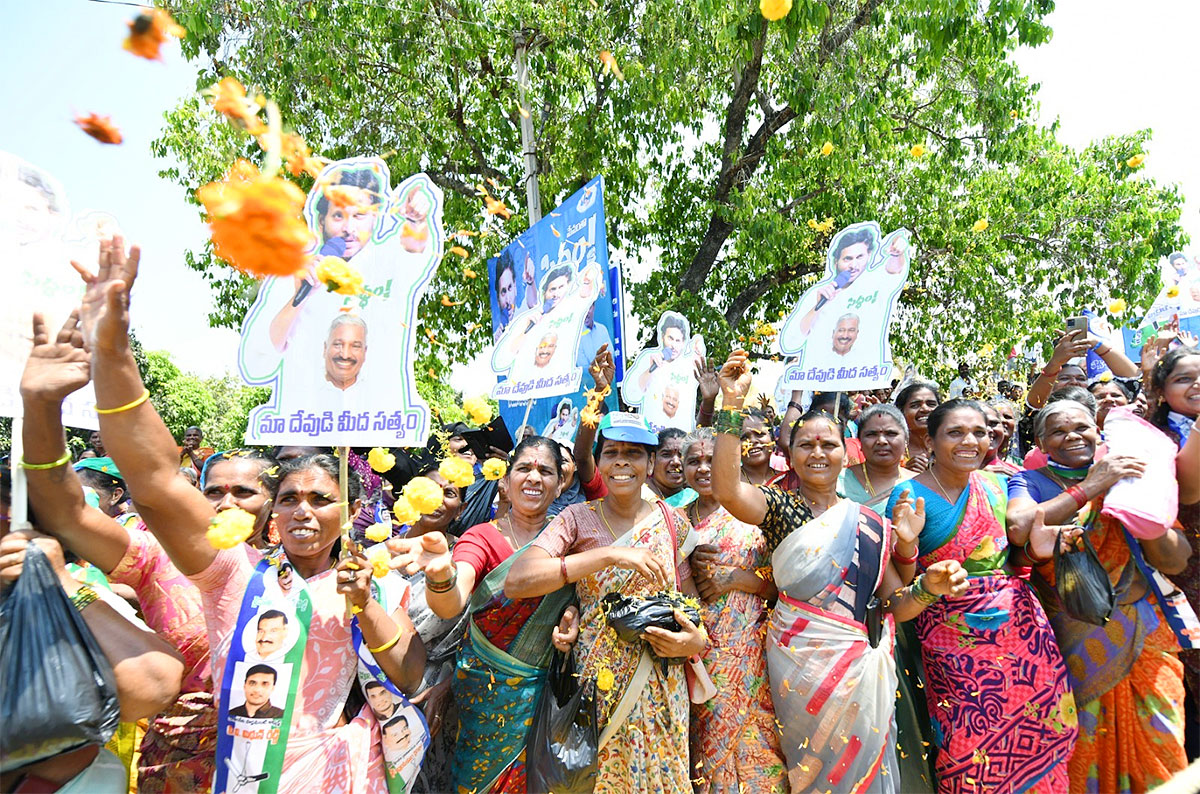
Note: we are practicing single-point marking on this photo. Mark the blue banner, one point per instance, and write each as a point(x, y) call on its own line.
point(555, 301)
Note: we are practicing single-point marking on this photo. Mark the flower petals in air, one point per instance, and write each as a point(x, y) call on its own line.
point(99, 127)
point(149, 30)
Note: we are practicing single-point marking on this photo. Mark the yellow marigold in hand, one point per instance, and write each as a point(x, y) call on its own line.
point(1136, 160)
point(378, 532)
point(1172, 291)
point(149, 31)
point(980, 225)
point(423, 494)
point(494, 469)
point(827, 149)
point(457, 471)
point(917, 151)
point(478, 409)
point(404, 512)
point(339, 276)
point(605, 679)
point(230, 528)
point(1117, 307)
point(99, 127)
point(774, 10)
point(381, 560)
point(256, 221)
point(380, 460)
point(590, 416)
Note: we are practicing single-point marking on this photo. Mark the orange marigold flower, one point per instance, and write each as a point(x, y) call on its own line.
point(228, 98)
point(256, 221)
point(497, 207)
point(99, 127)
point(458, 250)
point(469, 273)
point(149, 31)
point(299, 159)
point(449, 303)
point(610, 65)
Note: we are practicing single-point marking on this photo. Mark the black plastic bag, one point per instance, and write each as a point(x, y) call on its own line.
point(630, 616)
point(1082, 583)
point(57, 689)
point(562, 750)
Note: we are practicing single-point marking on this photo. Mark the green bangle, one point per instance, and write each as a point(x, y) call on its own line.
point(730, 422)
point(442, 587)
point(83, 596)
point(65, 459)
point(917, 588)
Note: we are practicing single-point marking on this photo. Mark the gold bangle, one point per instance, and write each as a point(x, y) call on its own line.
point(65, 459)
point(127, 406)
point(83, 596)
point(389, 643)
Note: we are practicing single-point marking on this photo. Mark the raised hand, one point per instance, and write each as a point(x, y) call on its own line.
point(706, 376)
point(55, 369)
point(908, 518)
point(1042, 536)
point(735, 378)
point(603, 369)
point(429, 553)
point(104, 312)
point(1072, 344)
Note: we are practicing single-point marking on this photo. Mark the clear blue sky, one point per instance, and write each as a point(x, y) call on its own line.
point(62, 57)
point(1111, 67)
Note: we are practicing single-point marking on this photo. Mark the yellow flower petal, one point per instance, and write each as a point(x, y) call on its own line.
point(379, 532)
point(478, 409)
point(917, 151)
point(423, 494)
point(230, 528)
point(457, 471)
point(980, 225)
point(1136, 160)
point(494, 469)
point(404, 512)
point(827, 149)
point(1117, 307)
point(380, 460)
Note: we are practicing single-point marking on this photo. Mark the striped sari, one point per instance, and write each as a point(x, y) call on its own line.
point(501, 667)
point(834, 693)
point(996, 683)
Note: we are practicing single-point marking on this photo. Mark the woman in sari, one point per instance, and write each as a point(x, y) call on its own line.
point(441, 636)
point(916, 401)
point(503, 660)
point(1007, 410)
point(883, 434)
point(995, 681)
point(734, 742)
point(625, 545)
point(829, 646)
point(318, 745)
point(993, 459)
point(1126, 678)
point(1174, 381)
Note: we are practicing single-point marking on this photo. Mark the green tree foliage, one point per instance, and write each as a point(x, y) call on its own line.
point(712, 148)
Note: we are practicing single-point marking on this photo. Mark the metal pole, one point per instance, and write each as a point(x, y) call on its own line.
point(533, 196)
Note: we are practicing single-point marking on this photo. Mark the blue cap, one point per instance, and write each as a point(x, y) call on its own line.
point(625, 426)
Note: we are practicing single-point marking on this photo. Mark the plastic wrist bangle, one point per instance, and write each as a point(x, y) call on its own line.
point(729, 422)
point(83, 596)
point(917, 588)
point(1078, 494)
point(1036, 560)
point(389, 643)
point(127, 406)
point(65, 459)
point(442, 587)
point(902, 560)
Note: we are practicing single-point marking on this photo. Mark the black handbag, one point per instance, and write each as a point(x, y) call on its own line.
point(1084, 589)
point(563, 748)
point(57, 688)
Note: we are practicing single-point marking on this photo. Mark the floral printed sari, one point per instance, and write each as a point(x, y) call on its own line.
point(996, 683)
point(734, 741)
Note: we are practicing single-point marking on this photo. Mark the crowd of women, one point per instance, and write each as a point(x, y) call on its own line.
point(878, 610)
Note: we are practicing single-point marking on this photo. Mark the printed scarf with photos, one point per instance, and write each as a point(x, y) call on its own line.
point(252, 735)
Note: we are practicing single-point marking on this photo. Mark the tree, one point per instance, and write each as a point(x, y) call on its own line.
point(712, 147)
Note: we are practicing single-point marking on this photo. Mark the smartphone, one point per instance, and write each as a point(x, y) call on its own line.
point(1077, 324)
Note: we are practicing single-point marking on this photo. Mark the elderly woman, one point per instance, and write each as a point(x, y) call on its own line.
point(995, 681)
point(883, 433)
point(829, 645)
point(734, 742)
point(312, 649)
point(624, 544)
point(1174, 381)
point(916, 401)
point(503, 659)
point(1127, 681)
